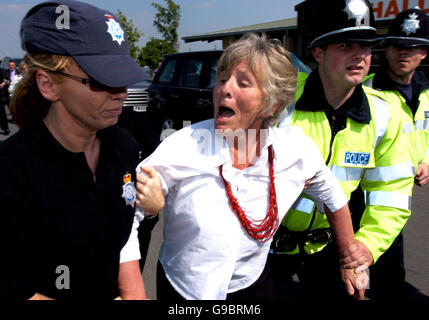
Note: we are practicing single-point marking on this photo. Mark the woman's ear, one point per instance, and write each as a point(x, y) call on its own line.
point(47, 87)
point(272, 111)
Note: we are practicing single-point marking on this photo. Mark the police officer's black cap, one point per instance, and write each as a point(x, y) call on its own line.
point(410, 28)
point(334, 21)
point(92, 36)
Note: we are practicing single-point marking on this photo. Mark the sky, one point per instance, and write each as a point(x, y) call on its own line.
point(197, 16)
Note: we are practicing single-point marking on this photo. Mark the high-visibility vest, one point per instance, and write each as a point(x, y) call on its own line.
point(416, 126)
point(370, 155)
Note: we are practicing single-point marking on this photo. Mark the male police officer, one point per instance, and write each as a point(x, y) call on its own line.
point(359, 137)
point(406, 46)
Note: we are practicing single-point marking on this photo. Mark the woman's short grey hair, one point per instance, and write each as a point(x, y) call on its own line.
point(272, 66)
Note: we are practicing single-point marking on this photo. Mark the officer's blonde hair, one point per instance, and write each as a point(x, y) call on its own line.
point(272, 67)
point(27, 103)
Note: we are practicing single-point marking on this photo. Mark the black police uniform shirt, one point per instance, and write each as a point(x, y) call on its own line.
point(61, 233)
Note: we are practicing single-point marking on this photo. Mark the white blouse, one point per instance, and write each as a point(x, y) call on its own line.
point(206, 254)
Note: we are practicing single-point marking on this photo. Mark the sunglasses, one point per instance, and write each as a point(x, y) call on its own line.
point(89, 82)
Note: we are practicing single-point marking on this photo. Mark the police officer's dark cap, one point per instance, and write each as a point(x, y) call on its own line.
point(410, 28)
point(92, 36)
point(334, 21)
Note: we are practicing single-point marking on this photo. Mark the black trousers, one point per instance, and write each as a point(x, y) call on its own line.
point(3, 117)
point(260, 290)
point(387, 275)
point(319, 276)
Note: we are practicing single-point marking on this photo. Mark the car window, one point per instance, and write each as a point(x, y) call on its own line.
point(192, 75)
point(168, 72)
point(213, 74)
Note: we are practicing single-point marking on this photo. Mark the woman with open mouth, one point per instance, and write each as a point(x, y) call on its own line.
point(228, 181)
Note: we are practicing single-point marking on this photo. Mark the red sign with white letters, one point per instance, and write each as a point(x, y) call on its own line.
point(389, 9)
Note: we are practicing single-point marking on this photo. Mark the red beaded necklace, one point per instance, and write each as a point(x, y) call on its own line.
point(260, 230)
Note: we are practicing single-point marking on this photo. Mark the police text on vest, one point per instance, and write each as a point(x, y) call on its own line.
point(356, 158)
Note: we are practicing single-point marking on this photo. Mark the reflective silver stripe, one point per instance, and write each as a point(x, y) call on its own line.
point(408, 127)
point(388, 199)
point(390, 173)
point(422, 124)
point(407, 38)
point(358, 28)
point(382, 117)
point(346, 173)
point(304, 205)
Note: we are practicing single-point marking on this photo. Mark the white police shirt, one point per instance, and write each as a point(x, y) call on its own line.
point(206, 254)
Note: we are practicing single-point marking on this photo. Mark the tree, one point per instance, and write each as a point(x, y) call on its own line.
point(154, 51)
point(167, 21)
point(133, 34)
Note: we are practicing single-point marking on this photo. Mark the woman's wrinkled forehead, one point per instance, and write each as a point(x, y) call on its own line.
point(254, 64)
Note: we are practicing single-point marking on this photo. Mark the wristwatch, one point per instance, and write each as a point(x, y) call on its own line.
point(151, 217)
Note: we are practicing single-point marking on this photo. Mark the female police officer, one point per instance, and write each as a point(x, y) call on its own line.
point(66, 178)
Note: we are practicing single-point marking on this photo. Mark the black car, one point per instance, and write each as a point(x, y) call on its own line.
point(182, 90)
point(138, 96)
point(137, 120)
